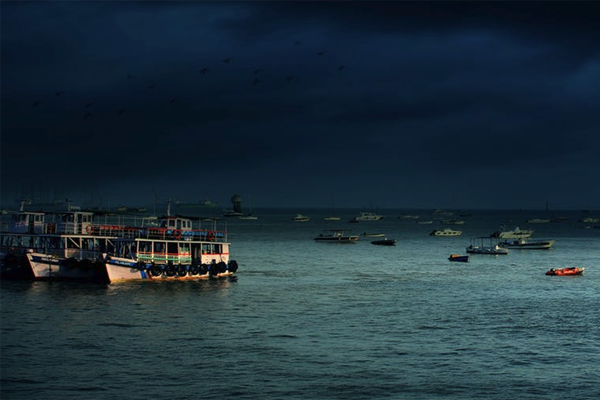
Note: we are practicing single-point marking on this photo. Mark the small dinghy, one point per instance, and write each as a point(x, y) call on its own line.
point(384, 242)
point(458, 258)
point(565, 271)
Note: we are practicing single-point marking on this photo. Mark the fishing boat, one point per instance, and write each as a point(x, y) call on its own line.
point(565, 271)
point(484, 248)
point(336, 236)
point(458, 258)
point(445, 232)
point(384, 242)
point(177, 250)
point(527, 245)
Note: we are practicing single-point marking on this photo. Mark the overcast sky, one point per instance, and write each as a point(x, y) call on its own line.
point(393, 104)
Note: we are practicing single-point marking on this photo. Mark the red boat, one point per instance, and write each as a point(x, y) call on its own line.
point(565, 271)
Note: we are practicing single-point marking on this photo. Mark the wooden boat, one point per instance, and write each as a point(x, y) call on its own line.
point(458, 258)
point(565, 271)
point(384, 242)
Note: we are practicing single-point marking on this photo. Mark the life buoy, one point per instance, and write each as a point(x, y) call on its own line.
point(211, 236)
point(233, 266)
point(177, 233)
point(89, 229)
point(181, 270)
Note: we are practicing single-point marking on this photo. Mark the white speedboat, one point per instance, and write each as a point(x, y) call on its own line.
point(445, 232)
point(300, 218)
point(368, 216)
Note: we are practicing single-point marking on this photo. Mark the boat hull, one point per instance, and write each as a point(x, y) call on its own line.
point(123, 270)
point(565, 271)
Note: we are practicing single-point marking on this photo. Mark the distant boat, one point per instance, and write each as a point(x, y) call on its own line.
point(367, 234)
point(525, 244)
point(537, 220)
point(426, 222)
point(236, 201)
point(206, 203)
point(384, 242)
point(458, 258)
point(250, 216)
point(565, 271)
point(369, 216)
point(445, 232)
point(300, 218)
point(453, 222)
point(332, 217)
point(516, 233)
point(483, 248)
point(336, 236)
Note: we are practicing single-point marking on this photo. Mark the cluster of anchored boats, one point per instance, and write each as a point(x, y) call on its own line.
point(70, 245)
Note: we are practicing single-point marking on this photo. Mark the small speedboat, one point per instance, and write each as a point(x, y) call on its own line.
point(565, 271)
point(458, 258)
point(385, 242)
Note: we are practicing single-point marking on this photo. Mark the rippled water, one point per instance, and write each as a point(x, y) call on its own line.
point(306, 320)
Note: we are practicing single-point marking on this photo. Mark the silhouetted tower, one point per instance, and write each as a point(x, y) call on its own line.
point(236, 200)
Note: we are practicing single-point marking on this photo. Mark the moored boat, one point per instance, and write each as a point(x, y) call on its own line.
point(527, 245)
point(516, 233)
point(300, 218)
point(384, 242)
point(565, 271)
point(445, 232)
point(458, 258)
point(484, 248)
point(336, 236)
point(368, 216)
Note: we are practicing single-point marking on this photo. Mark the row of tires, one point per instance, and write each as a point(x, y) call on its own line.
point(185, 270)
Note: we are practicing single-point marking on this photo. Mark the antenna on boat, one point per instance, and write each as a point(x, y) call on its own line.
point(68, 204)
point(169, 208)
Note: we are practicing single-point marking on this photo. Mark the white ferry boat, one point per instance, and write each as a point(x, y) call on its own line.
point(74, 248)
point(368, 216)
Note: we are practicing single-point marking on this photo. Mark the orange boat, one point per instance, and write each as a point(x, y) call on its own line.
point(565, 271)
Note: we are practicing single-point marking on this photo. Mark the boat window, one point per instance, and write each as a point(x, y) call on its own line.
point(206, 248)
point(184, 247)
point(172, 248)
point(159, 247)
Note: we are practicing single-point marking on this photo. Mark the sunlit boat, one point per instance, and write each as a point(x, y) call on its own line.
point(565, 271)
point(177, 250)
point(526, 244)
point(373, 234)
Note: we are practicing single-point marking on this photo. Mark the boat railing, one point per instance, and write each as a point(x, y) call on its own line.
point(162, 233)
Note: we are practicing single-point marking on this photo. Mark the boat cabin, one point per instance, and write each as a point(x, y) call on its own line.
point(28, 222)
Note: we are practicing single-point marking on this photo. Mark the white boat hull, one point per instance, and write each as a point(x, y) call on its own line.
point(47, 267)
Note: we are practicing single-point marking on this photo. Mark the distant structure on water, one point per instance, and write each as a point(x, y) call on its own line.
point(236, 201)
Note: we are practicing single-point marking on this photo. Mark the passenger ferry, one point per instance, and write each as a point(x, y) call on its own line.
point(73, 247)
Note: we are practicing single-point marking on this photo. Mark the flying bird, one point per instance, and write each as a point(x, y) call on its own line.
point(203, 70)
point(290, 78)
point(122, 111)
point(173, 100)
point(297, 43)
point(151, 86)
point(341, 68)
point(227, 60)
point(36, 104)
point(320, 53)
point(129, 76)
point(87, 115)
point(60, 93)
point(88, 105)
point(256, 71)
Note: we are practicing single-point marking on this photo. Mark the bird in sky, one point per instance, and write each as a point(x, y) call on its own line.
point(320, 53)
point(60, 93)
point(122, 111)
point(341, 68)
point(129, 76)
point(227, 60)
point(297, 43)
point(87, 115)
point(36, 104)
point(151, 86)
point(88, 105)
point(257, 71)
point(203, 70)
point(290, 78)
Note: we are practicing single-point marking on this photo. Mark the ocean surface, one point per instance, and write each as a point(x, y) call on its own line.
point(307, 320)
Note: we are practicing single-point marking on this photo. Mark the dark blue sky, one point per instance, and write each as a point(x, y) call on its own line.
point(394, 104)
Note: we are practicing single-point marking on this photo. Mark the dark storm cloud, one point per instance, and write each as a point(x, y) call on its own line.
point(262, 95)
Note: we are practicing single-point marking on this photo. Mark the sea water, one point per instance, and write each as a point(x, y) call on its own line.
point(308, 320)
